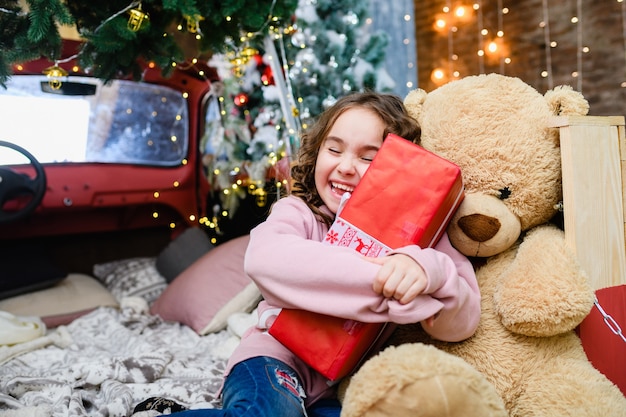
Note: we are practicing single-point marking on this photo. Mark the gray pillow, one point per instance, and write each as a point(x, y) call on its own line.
point(133, 277)
point(187, 248)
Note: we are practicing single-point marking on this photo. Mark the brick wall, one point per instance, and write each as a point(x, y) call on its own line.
point(603, 67)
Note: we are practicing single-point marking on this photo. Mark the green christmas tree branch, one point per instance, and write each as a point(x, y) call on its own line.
point(111, 49)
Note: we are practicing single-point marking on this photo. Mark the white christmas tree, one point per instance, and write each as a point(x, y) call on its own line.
point(331, 53)
point(278, 85)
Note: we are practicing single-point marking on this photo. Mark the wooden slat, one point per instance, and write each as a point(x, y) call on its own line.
point(622, 152)
point(592, 152)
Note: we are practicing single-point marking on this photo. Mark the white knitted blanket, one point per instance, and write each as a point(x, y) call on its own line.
point(105, 363)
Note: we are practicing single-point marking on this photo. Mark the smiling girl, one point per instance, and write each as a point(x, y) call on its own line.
point(294, 269)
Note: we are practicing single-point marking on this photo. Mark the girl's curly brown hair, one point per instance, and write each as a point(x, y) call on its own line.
point(387, 106)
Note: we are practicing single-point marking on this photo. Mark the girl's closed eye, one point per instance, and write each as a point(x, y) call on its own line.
point(333, 145)
point(334, 150)
point(369, 157)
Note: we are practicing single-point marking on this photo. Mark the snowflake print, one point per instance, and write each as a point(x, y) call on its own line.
point(332, 236)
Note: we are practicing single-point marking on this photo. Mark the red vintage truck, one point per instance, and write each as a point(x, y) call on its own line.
point(92, 171)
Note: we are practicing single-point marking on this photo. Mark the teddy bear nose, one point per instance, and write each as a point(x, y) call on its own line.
point(479, 227)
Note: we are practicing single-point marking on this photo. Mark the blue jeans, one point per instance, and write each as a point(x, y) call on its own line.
point(265, 387)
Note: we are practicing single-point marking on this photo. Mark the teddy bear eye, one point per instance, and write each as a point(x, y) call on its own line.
point(504, 193)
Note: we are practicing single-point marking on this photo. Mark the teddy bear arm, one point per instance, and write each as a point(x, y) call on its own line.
point(544, 292)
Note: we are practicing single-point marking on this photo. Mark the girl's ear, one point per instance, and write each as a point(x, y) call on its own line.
point(414, 103)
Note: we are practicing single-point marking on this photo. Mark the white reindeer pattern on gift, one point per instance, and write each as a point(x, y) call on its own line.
point(342, 233)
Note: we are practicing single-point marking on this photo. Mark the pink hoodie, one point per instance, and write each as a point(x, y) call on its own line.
point(293, 269)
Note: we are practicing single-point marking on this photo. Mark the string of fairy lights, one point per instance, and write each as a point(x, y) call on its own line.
point(492, 42)
point(548, 43)
point(397, 19)
point(137, 17)
point(238, 58)
point(273, 36)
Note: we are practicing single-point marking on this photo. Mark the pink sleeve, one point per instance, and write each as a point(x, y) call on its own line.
point(294, 269)
point(452, 282)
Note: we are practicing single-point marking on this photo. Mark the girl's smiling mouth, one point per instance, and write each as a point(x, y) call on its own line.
point(344, 188)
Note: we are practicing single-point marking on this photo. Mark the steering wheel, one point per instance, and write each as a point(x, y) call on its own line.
point(14, 184)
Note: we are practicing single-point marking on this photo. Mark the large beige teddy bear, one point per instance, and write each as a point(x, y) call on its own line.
point(533, 292)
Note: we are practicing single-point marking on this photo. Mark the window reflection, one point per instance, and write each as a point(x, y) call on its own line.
point(120, 122)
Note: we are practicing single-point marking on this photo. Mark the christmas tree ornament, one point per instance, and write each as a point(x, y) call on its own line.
point(328, 101)
point(267, 78)
point(54, 74)
point(298, 39)
point(260, 195)
point(240, 59)
point(291, 29)
point(247, 53)
point(241, 99)
point(351, 18)
point(295, 71)
point(307, 56)
point(137, 17)
point(193, 23)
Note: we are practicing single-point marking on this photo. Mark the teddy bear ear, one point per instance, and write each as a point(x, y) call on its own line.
point(414, 102)
point(565, 101)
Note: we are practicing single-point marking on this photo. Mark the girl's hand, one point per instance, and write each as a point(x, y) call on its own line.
point(399, 277)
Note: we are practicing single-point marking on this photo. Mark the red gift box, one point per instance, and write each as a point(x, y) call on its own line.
point(407, 196)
